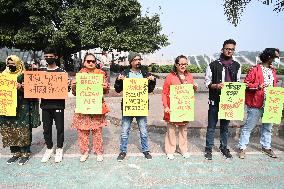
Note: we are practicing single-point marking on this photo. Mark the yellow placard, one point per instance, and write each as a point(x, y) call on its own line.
point(8, 94)
point(135, 97)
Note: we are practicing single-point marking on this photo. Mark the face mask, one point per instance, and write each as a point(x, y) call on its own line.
point(50, 60)
point(276, 61)
point(12, 68)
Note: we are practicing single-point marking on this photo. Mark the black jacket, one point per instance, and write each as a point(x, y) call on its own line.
point(215, 75)
point(118, 85)
point(57, 104)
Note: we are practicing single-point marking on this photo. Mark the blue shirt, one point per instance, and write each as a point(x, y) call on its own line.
point(137, 74)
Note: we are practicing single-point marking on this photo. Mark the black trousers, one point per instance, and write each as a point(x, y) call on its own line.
point(48, 115)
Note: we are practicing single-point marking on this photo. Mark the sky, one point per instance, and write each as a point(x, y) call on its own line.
point(200, 27)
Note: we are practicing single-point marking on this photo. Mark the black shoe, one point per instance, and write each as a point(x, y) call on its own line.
point(226, 153)
point(24, 160)
point(121, 156)
point(147, 155)
point(13, 159)
point(208, 154)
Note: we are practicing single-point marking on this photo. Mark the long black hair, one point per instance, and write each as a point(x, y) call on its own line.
point(267, 54)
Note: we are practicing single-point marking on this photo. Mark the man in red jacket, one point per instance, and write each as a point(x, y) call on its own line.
point(257, 80)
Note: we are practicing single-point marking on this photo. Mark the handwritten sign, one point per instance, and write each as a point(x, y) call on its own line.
point(273, 105)
point(89, 93)
point(47, 85)
point(8, 94)
point(135, 97)
point(181, 103)
point(231, 106)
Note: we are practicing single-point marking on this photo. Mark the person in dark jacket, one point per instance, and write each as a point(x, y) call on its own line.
point(257, 80)
point(52, 109)
point(224, 69)
point(135, 71)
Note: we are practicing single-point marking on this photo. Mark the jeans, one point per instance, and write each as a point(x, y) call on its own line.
point(212, 122)
point(253, 115)
point(126, 124)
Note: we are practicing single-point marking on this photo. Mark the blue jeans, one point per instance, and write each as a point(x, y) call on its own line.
point(253, 115)
point(126, 124)
point(212, 122)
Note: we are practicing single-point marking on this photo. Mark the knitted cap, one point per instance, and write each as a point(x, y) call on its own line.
point(132, 55)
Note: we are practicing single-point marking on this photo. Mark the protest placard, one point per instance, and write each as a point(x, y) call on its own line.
point(232, 99)
point(47, 85)
point(8, 94)
point(273, 105)
point(181, 103)
point(135, 97)
point(89, 93)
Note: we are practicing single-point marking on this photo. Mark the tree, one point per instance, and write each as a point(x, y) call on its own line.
point(74, 25)
point(235, 8)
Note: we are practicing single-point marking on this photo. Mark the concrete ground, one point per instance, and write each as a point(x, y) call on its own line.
point(255, 171)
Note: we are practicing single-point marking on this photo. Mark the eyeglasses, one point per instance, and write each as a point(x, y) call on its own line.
point(229, 49)
point(90, 61)
point(182, 64)
point(135, 59)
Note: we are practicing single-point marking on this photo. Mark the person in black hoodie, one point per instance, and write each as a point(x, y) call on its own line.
point(135, 71)
point(52, 109)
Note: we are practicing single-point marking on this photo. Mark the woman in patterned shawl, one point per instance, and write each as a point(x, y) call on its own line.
point(16, 130)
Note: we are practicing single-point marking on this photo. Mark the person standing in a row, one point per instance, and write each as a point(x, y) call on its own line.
point(135, 71)
point(224, 69)
point(178, 76)
point(52, 109)
point(86, 123)
point(257, 80)
point(16, 130)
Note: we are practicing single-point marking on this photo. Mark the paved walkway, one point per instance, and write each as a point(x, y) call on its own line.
point(256, 171)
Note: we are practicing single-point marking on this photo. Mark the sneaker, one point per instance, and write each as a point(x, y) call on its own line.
point(241, 154)
point(47, 155)
point(100, 158)
point(226, 153)
point(84, 157)
point(208, 154)
point(121, 156)
point(170, 156)
point(13, 159)
point(58, 155)
point(147, 155)
point(269, 152)
point(24, 160)
point(185, 155)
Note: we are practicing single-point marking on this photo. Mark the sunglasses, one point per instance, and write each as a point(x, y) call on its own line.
point(182, 64)
point(90, 61)
point(229, 49)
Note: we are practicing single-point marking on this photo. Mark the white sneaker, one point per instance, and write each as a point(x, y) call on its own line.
point(58, 155)
point(185, 155)
point(47, 155)
point(100, 158)
point(84, 157)
point(170, 156)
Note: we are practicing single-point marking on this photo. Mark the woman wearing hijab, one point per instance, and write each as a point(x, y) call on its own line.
point(16, 130)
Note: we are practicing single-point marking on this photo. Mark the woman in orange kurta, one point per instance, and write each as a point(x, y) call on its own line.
point(85, 123)
point(179, 75)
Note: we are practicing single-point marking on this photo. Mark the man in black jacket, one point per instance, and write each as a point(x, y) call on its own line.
point(52, 109)
point(224, 69)
point(135, 71)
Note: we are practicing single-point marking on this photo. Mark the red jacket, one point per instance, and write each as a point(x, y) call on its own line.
point(254, 78)
point(172, 79)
